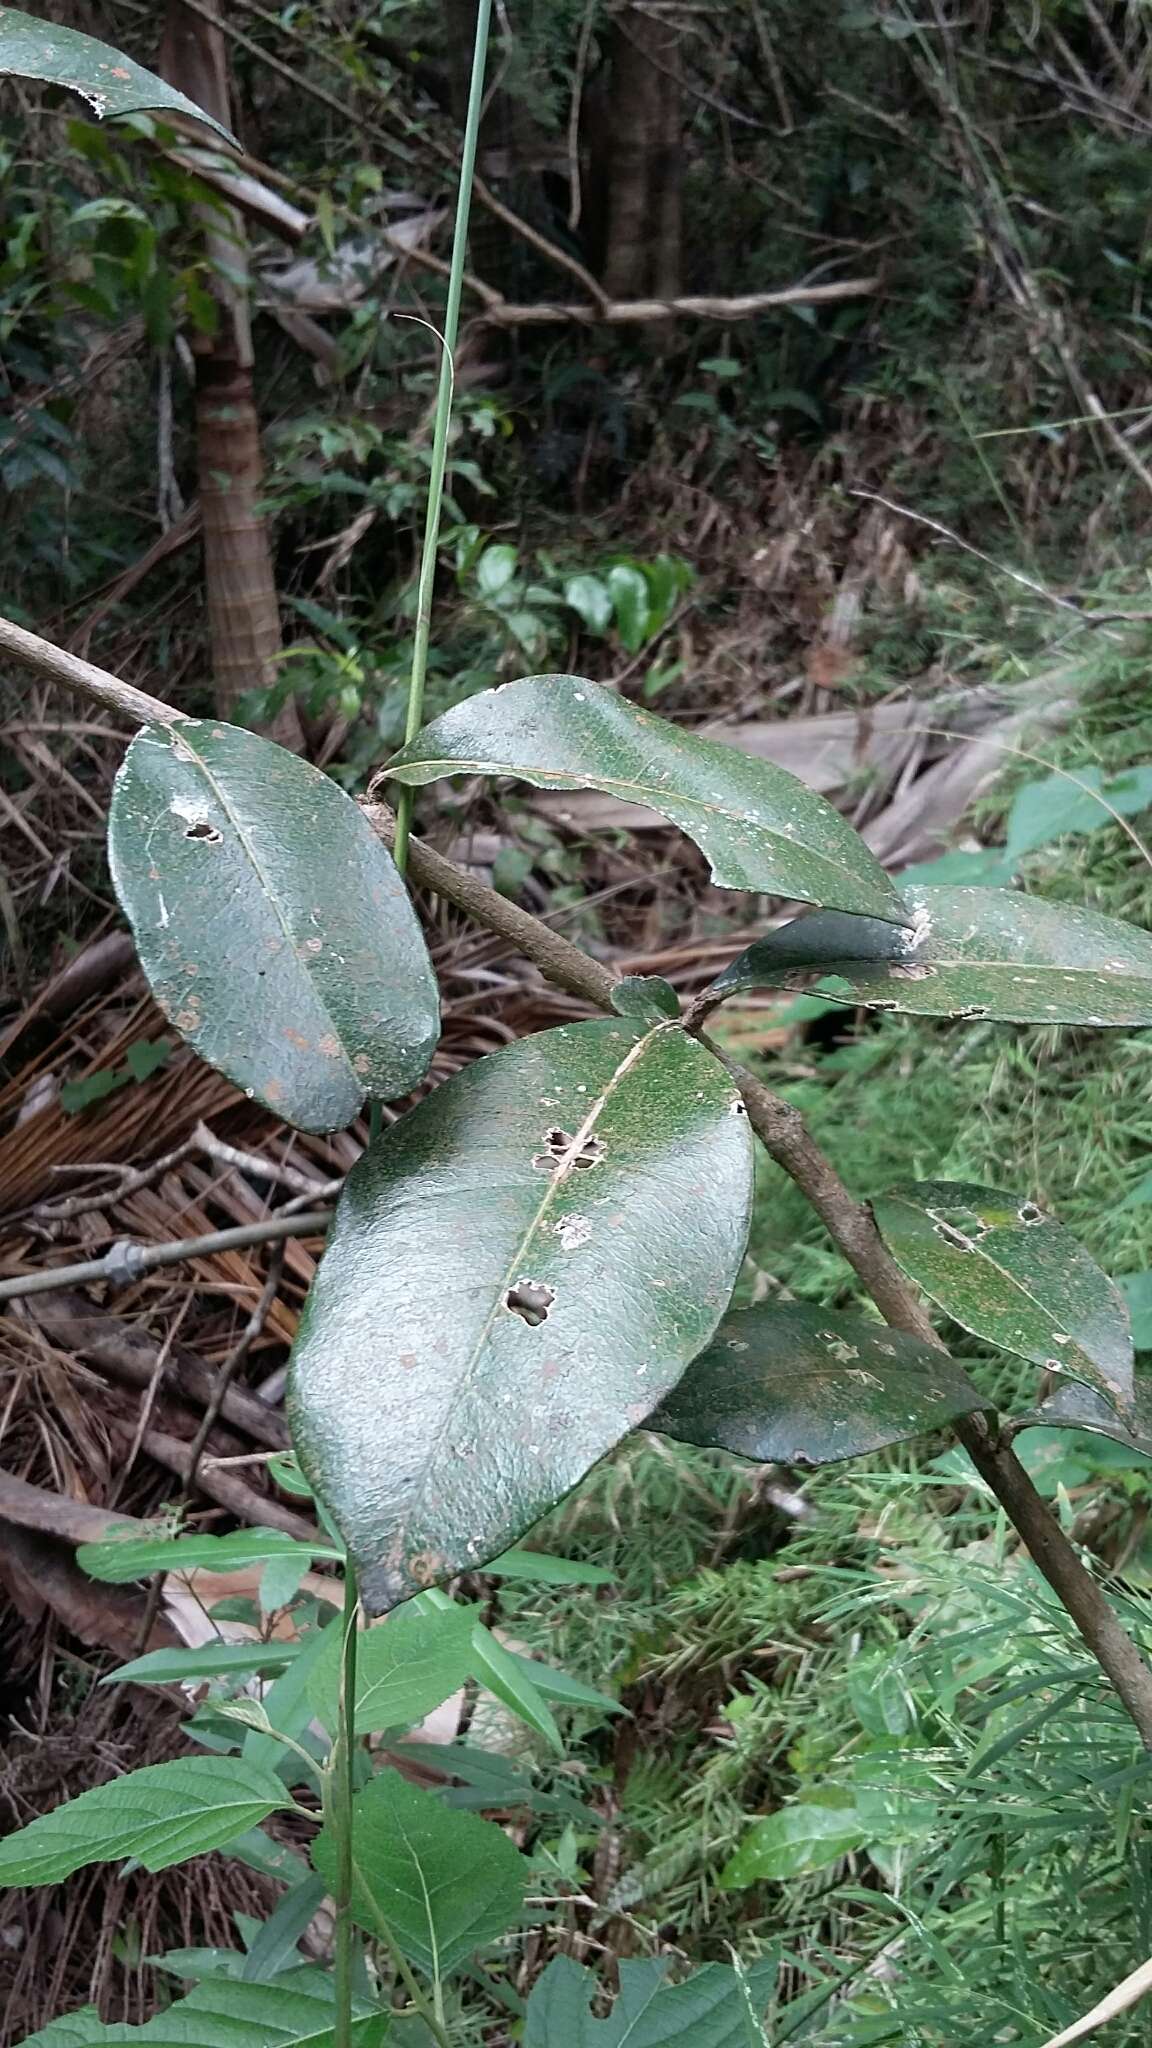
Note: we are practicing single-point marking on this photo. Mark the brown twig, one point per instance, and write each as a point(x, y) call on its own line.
point(127, 1261)
point(58, 666)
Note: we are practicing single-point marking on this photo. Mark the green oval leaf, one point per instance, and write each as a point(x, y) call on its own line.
point(1008, 1273)
point(161, 1815)
point(796, 1384)
point(297, 2011)
point(793, 1841)
point(966, 953)
point(760, 828)
point(273, 927)
point(629, 593)
point(110, 82)
point(407, 1666)
point(441, 1882)
point(591, 599)
point(516, 1272)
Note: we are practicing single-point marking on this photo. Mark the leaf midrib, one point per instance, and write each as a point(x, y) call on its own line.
point(290, 940)
point(1021, 1288)
point(558, 1181)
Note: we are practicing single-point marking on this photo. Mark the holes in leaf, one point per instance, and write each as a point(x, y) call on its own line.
point(531, 1300)
point(558, 1145)
point(1028, 1212)
point(201, 829)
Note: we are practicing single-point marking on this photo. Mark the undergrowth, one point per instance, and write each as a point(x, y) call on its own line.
point(869, 1633)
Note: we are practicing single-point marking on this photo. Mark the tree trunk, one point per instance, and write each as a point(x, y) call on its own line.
point(243, 612)
point(642, 145)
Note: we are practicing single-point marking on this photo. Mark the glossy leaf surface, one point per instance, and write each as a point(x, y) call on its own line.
point(160, 1815)
point(1004, 1270)
point(273, 927)
point(517, 1271)
point(717, 2007)
point(794, 1383)
point(117, 1560)
point(404, 1668)
point(110, 82)
point(966, 953)
point(294, 2012)
point(759, 827)
point(442, 1882)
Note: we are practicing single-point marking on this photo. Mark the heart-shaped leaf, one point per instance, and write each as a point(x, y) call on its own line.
point(796, 1384)
point(1004, 1270)
point(717, 2007)
point(965, 953)
point(273, 927)
point(760, 828)
point(297, 2011)
point(516, 1272)
point(109, 81)
point(161, 1815)
point(441, 1882)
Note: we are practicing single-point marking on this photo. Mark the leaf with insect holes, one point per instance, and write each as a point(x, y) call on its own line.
point(1010, 1274)
point(516, 1272)
point(793, 1383)
point(964, 953)
point(108, 80)
point(443, 1883)
point(298, 2010)
point(716, 2007)
point(161, 1815)
point(270, 921)
point(117, 1560)
point(759, 827)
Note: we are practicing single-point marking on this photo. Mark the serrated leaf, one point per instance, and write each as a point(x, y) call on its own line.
point(717, 2007)
point(273, 928)
point(212, 1660)
point(1010, 1274)
point(799, 1838)
point(760, 828)
point(160, 1815)
point(108, 80)
point(404, 1667)
point(793, 1383)
point(442, 1882)
point(645, 996)
point(117, 1560)
point(297, 2011)
point(517, 1271)
point(965, 953)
